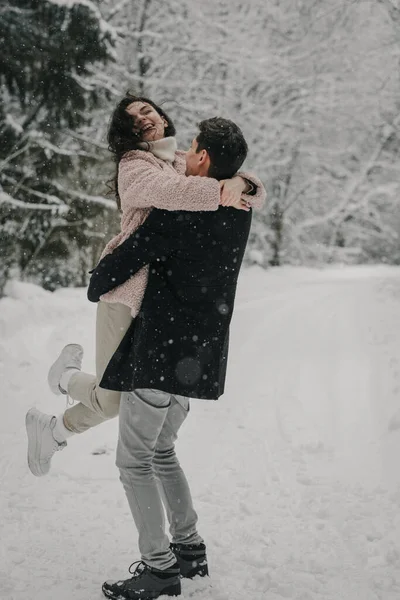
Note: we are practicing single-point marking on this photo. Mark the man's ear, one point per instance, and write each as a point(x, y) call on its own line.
point(203, 156)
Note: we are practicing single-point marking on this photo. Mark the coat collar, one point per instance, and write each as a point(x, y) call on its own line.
point(163, 149)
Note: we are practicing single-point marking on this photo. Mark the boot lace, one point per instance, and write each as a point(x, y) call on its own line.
point(139, 570)
point(137, 573)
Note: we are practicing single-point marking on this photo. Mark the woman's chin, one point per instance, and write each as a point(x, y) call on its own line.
point(151, 136)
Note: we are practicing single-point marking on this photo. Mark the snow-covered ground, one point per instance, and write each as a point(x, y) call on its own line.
point(295, 471)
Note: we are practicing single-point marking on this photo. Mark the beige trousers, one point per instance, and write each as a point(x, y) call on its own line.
point(95, 404)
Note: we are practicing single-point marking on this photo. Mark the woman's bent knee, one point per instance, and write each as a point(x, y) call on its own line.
point(108, 402)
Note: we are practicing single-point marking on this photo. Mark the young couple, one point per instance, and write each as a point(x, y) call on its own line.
point(165, 288)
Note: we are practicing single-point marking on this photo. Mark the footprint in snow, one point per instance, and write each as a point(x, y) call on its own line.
point(101, 450)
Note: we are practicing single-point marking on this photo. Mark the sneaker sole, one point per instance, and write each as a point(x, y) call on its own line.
point(55, 373)
point(34, 428)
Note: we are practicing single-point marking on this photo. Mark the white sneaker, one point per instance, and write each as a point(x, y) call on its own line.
point(41, 442)
point(70, 358)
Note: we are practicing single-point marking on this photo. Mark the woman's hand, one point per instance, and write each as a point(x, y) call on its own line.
point(231, 193)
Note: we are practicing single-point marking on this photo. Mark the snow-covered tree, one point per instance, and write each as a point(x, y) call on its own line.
point(332, 104)
point(311, 84)
point(314, 86)
point(47, 50)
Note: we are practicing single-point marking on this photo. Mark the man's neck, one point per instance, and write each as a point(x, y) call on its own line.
point(203, 171)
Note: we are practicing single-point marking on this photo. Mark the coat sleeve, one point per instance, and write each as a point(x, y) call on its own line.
point(142, 184)
point(257, 196)
point(152, 241)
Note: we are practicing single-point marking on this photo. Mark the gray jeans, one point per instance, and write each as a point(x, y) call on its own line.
point(149, 421)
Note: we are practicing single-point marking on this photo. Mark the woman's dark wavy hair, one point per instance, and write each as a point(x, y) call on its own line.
point(121, 137)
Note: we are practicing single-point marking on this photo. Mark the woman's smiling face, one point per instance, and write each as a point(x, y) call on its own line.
point(147, 122)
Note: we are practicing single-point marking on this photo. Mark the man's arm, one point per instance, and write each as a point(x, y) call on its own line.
point(155, 239)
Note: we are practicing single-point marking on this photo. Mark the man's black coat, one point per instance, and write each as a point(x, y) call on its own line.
point(179, 341)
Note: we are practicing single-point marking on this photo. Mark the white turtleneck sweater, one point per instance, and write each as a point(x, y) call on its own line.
point(163, 149)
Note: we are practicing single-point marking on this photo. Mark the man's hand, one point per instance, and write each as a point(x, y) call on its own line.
point(231, 193)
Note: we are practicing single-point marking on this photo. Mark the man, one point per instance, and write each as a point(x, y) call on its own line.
point(176, 348)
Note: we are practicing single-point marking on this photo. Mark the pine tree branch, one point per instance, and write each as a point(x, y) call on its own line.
point(100, 200)
point(82, 138)
point(15, 154)
point(7, 199)
point(32, 116)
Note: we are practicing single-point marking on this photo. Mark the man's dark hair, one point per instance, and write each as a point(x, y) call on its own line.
point(225, 145)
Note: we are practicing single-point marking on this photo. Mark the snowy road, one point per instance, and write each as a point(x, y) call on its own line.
point(295, 471)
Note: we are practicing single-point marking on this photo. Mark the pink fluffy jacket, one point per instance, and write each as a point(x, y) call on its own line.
point(146, 182)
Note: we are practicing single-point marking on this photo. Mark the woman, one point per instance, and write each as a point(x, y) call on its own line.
point(150, 173)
